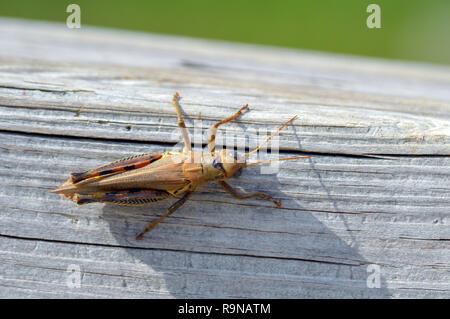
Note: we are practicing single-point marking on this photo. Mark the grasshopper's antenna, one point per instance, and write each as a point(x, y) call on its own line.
point(257, 149)
point(274, 160)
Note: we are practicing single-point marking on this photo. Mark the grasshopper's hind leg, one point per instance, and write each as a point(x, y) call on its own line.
point(213, 129)
point(132, 197)
point(236, 194)
point(169, 211)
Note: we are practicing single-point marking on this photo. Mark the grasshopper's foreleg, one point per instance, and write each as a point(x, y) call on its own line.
point(213, 129)
point(169, 211)
point(184, 132)
point(237, 195)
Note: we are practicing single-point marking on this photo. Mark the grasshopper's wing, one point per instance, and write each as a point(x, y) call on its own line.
point(120, 166)
point(165, 174)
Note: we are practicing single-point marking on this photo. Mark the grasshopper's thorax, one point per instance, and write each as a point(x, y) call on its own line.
point(231, 164)
point(205, 168)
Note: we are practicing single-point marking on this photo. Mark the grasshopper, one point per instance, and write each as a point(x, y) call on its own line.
point(147, 178)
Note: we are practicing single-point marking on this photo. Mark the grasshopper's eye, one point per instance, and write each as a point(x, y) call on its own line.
point(218, 165)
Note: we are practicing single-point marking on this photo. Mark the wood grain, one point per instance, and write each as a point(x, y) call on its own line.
point(375, 193)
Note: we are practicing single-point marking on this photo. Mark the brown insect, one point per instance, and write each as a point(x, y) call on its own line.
point(147, 178)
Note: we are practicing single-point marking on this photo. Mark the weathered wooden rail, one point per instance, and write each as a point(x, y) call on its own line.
point(366, 216)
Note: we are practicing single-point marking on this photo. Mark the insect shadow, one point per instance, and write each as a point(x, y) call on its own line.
point(220, 247)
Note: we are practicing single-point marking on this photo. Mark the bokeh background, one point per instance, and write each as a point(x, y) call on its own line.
point(411, 29)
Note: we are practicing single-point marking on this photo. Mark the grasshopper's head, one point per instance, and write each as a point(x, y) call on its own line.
point(231, 163)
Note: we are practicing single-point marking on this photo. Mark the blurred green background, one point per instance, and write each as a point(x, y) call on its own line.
point(411, 30)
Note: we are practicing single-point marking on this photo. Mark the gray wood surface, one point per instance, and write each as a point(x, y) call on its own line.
point(372, 202)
